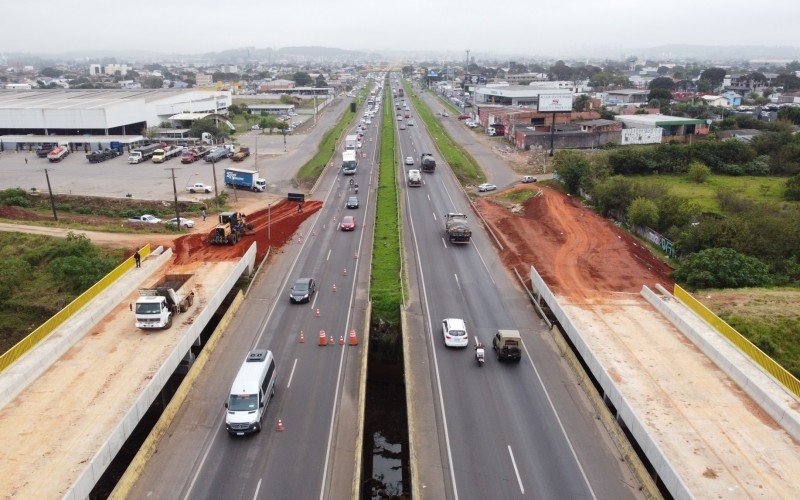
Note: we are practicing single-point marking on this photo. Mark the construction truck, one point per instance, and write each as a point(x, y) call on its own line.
point(414, 178)
point(456, 227)
point(427, 163)
point(232, 226)
point(240, 155)
point(158, 304)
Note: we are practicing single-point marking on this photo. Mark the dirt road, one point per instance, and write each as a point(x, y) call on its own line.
point(577, 252)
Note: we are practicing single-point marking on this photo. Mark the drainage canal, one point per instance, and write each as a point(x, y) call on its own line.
point(386, 468)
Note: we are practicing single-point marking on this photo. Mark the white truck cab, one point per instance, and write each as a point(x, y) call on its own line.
point(250, 393)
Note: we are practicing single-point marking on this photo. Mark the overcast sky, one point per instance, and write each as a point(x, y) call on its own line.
point(503, 27)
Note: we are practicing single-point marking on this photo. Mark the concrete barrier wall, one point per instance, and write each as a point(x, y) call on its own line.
point(32, 363)
point(739, 367)
point(625, 412)
point(98, 464)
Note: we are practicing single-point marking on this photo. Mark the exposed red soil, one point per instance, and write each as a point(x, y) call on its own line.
point(17, 213)
point(577, 252)
point(284, 223)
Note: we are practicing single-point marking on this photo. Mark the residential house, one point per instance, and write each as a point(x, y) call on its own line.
point(733, 98)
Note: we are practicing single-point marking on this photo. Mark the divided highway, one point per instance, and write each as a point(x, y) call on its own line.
point(505, 430)
point(317, 389)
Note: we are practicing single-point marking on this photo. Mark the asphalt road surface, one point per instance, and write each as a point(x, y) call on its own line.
point(509, 430)
point(317, 386)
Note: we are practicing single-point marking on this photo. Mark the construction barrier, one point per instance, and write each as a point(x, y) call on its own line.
point(768, 364)
point(46, 328)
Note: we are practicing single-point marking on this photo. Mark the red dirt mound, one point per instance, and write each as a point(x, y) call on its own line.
point(577, 252)
point(284, 222)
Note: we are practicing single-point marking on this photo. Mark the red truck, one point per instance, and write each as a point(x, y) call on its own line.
point(194, 154)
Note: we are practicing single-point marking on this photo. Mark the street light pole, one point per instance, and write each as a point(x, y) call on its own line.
point(214, 173)
point(269, 224)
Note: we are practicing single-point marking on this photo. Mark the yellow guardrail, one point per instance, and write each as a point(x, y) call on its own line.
point(46, 328)
point(768, 364)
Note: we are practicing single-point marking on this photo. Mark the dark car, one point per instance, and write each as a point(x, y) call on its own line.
point(352, 202)
point(302, 290)
point(348, 223)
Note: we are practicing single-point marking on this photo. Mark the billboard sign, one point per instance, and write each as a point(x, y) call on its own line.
point(555, 103)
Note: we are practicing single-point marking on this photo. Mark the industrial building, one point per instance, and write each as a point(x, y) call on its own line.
point(72, 112)
point(671, 126)
point(514, 95)
point(270, 109)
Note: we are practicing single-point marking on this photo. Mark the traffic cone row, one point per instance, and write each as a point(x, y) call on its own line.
point(302, 339)
point(353, 340)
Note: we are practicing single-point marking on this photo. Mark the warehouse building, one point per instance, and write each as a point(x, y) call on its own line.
point(72, 112)
point(514, 95)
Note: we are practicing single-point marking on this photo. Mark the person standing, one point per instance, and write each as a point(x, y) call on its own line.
point(138, 259)
point(26, 160)
point(203, 213)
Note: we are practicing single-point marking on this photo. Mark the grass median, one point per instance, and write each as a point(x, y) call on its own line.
point(461, 162)
point(386, 284)
point(312, 169)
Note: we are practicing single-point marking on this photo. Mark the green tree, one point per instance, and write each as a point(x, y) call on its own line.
point(302, 79)
point(676, 212)
point(50, 72)
point(643, 212)
point(153, 82)
point(714, 76)
point(287, 99)
point(268, 122)
point(407, 70)
point(560, 71)
point(210, 126)
point(793, 188)
point(78, 273)
point(582, 103)
point(721, 268)
point(615, 193)
point(662, 82)
point(320, 82)
point(572, 168)
point(698, 172)
point(790, 114)
point(662, 70)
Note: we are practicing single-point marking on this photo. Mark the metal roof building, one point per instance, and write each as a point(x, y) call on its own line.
point(101, 111)
point(514, 95)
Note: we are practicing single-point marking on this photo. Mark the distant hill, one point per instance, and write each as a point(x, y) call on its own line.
point(721, 53)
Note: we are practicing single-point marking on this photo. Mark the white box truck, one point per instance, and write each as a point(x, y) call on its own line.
point(350, 142)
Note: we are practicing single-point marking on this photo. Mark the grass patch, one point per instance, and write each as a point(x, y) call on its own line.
point(461, 162)
point(313, 168)
point(518, 195)
point(757, 188)
point(39, 275)
point(768, 317)
point(386, 276)
point(450, 106)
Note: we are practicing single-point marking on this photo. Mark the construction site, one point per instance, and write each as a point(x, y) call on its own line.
point(700, 431)
point(72, 401)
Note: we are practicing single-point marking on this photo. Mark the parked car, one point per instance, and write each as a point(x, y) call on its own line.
point(528, 178)
point(199, 187)
point(455, 332)
point(486, 187)
point(352, 202)
point(402, 126)
point(146, 219)
point(463, 117)
point(348, 223)
point(188, 223)
point(302, 290)
point(409, 160)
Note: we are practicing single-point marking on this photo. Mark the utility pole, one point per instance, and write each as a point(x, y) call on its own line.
point(315, 108)
point(255, 164)
point(552, 135)
point(175, 195)
point(269, 224)
point(214, 173)
point(52, 200)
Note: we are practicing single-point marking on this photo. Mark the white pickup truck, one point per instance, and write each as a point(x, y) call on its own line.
point(146, 219)
point(199, 187)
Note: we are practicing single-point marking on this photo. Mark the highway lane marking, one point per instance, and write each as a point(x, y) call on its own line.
point(435, 358)
point(314, 301)
point(434, 216)
point(341, 356)
point(294, 365)
point(484, 263)
point(516, 471)
point(329, 254)
point(458, 283)
point(258, 487)
point(429, 199)
point(560, 424)
point(443, 242)
point(263, 329)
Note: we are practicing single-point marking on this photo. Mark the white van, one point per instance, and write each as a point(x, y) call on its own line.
point(251, 392)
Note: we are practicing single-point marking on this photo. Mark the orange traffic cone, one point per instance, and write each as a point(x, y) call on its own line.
point(344, 273)
point(280, 426)
point(331, 340)
point(317, 313)
point(355, 256)
point(334, 287)
point(302, 340)
point(341, 340)
point(353, 340)
point(323, 340)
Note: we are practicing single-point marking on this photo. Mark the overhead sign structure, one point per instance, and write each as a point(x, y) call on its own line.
point(555, 103)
